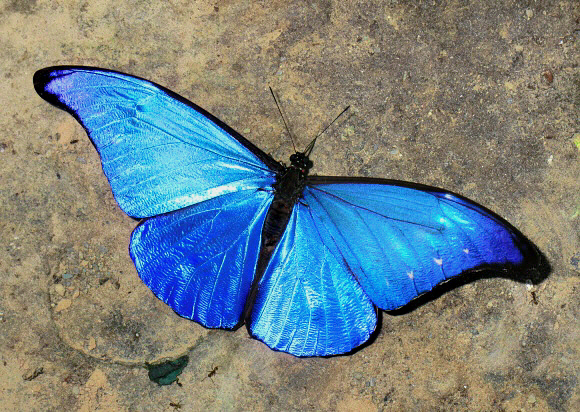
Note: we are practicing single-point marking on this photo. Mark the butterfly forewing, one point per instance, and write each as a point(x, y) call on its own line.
point(401, 241)
point(158, 151)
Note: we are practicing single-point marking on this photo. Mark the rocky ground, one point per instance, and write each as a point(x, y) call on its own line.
point(481, 98)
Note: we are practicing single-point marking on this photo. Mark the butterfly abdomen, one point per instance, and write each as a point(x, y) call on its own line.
point(276, 221)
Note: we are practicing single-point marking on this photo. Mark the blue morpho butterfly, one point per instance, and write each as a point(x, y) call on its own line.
point(231, 236)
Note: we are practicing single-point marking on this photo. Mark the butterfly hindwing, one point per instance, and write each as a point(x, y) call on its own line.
point(308, 302)
point(201, 260)
point(159, 151)
point(401, 240)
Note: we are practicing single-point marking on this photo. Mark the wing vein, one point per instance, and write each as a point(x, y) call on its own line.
point(369, 210)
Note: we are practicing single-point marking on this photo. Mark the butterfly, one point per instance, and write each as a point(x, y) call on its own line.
point(229, 236)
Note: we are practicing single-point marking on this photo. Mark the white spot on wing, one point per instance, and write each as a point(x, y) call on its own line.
point(410, 274)
point(466, 251)
point(438, 261)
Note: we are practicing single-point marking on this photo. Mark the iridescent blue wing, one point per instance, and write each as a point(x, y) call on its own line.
point(201, 259)
point(400, 239)
point(352, 243)
point(308, 301)
point(159, 151)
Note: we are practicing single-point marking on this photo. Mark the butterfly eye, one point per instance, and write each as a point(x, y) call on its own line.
point(293, 158)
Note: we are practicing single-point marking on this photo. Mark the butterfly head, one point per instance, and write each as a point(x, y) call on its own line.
point(301, 162)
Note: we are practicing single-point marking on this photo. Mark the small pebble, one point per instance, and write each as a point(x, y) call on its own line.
point(529, 14)
point(62, 305)
point(548, 76)
point(59, 289)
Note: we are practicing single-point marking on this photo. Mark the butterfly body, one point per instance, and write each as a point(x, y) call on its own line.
point(288, 188)
point(230, 236)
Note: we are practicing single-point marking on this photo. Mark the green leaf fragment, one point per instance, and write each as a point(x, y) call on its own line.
point(166, 373)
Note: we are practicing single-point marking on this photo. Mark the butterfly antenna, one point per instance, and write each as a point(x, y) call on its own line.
point(283, 118)
point(331, 123)
point(309, 148)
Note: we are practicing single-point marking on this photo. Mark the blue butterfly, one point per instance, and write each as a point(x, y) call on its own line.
point(230, 236)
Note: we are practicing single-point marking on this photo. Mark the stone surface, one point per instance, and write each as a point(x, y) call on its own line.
point(480, 99)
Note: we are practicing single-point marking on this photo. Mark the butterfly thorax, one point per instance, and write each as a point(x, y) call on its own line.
point(288, 190)
point(290, 183)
